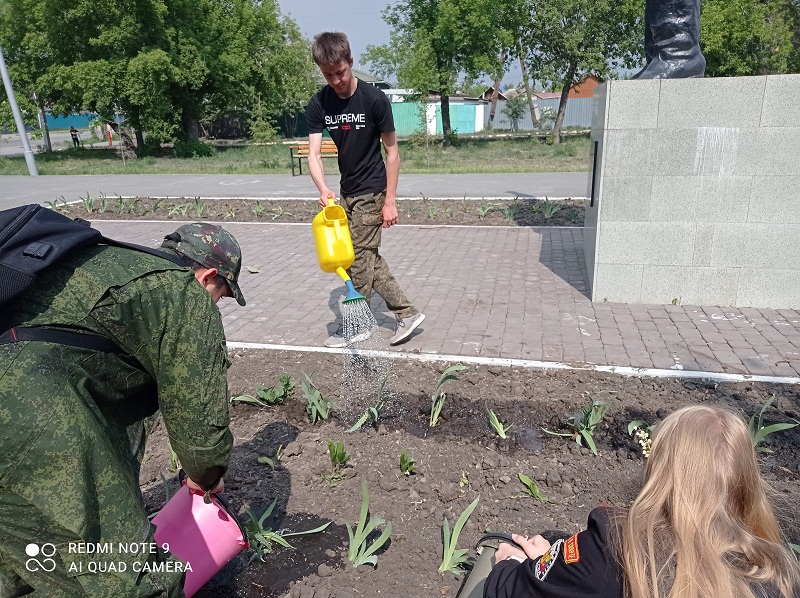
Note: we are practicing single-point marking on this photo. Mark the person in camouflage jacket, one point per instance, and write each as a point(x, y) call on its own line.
point(72, 418)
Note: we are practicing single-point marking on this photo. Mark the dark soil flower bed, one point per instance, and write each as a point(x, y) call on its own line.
point(517, 212)
point(456, 461)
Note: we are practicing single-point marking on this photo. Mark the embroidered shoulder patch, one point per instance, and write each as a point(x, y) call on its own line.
point(571, 552)
point(546, 561)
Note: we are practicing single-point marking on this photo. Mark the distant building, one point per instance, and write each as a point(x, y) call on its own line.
point(487, 95)
point(584, 89)
point(371, 79)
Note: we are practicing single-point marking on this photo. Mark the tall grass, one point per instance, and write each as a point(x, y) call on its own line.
point(471, 155)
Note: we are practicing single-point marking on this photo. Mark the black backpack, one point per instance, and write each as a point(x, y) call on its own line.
point(33, 238)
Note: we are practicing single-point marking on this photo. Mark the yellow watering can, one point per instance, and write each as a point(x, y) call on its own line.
point(334, 245)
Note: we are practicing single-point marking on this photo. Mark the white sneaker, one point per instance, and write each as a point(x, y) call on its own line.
point(405, 326)
point(338, 341)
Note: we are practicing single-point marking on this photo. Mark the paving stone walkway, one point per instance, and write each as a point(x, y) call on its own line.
point(516, 293)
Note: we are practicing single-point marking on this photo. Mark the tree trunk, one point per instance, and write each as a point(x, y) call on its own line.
point(446, 130)
point(48, 146)
point(528, 90)
point(191, 129)
point(136, 125)
point(562, 105)
point(495, 93)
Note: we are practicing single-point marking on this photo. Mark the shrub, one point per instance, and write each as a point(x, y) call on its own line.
point(192, 149)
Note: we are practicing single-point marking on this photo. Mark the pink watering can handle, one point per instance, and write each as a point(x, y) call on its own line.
point(223, 502)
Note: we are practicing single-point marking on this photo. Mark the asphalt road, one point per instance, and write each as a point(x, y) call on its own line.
point(17, 190)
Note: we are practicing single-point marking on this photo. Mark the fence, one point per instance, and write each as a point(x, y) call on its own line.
point(577, 114)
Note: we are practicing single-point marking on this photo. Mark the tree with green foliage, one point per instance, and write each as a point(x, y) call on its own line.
point(567, 40)
point(434, 41)
point(166, 65)
point(749, 37)
point(515, 108)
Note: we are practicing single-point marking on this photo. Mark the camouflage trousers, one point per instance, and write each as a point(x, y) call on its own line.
point(69, 483)
point(369, 270)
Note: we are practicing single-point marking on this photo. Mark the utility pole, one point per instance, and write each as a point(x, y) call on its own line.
point(23, 135)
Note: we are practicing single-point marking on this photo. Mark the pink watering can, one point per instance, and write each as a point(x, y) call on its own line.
point(205, 535)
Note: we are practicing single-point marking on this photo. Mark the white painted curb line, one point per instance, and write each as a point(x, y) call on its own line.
point(527, 363)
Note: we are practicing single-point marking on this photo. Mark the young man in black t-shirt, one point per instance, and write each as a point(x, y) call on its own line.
point(358, 118)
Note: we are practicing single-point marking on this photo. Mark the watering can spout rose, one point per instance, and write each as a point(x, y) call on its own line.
point(334, 245)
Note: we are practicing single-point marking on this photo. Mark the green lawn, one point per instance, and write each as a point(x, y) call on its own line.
point(472, 155)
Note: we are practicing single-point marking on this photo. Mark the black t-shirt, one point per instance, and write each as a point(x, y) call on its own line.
point(355, 124)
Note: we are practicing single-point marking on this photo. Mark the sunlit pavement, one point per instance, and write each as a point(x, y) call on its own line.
point(496, 292)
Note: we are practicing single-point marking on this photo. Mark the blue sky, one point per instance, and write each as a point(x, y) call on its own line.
point(359, 19)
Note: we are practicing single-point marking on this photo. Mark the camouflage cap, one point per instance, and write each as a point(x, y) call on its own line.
point(213, 247)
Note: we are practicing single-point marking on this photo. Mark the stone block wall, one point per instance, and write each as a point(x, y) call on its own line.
point(696, 192)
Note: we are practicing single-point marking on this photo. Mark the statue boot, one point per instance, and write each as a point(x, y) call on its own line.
point(672, 40)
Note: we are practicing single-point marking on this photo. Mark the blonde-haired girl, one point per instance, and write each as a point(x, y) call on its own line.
point(702, 527)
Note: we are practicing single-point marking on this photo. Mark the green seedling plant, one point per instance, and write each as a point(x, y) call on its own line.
point(272, 461)
point(531, 489)
point(262, 538)
point(509, 213)
point(536, 208)
point(338, 455)
point(317, 406)
point(359, 552)
point(181, 208)
point(269, 396)
point(53, 205)
point(464, 481)
point(372, 414)
point(432, 213)
point(174, 464)
point(453, 559)
point(134, 206)
point(551, 208)
point(449, 213)
point(407, 464)
point(279, 211)
point(258, 209)
point(200, 207)
point(643, 433)
point(438, 396)
point(760, 433)
point(574, 215)
point(584, 425)
point(88, 203)
point(483, 210)
point(498, 425)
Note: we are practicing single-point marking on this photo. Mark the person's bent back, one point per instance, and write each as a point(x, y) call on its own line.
point(72, 417)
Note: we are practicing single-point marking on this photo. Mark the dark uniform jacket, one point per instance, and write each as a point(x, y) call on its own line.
point(582, 566)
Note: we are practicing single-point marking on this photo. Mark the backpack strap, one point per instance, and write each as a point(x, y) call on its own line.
point(82, 340)
point(156, 252)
